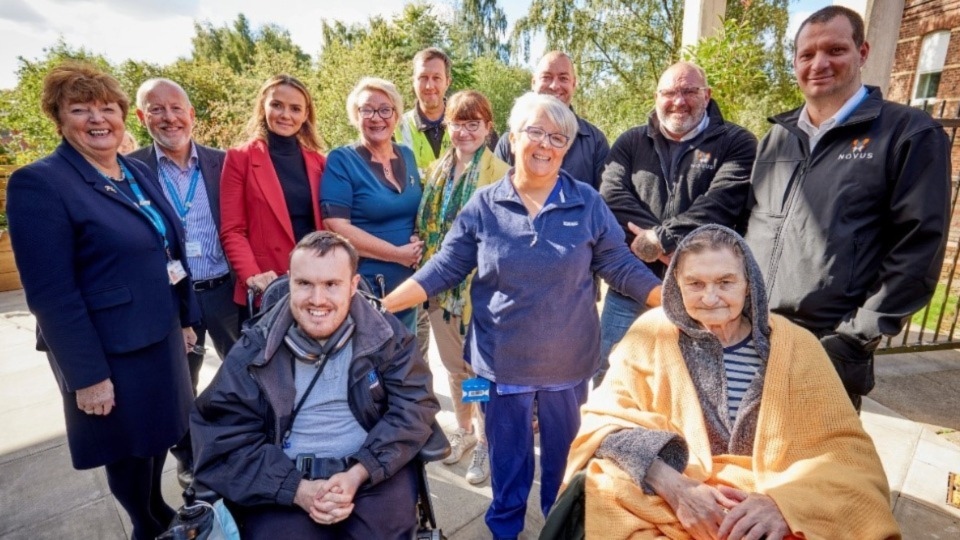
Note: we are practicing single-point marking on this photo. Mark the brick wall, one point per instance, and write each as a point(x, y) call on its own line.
point(921, 17)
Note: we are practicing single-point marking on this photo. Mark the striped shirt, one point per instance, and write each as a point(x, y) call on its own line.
point(201, 229)
point(741, 363)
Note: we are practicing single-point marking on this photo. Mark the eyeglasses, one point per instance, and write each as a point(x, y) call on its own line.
point(384, 112)
point(557, 140)
point(470, 126)
point(687, 93)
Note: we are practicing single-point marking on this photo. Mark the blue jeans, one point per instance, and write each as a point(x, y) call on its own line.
point(617, 317)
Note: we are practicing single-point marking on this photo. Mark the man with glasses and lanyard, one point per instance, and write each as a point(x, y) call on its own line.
point(189, 175)
point(684, 168)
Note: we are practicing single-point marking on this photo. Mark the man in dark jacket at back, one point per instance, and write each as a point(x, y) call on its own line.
point(685, 168)
point(849, 202)
point(311, 425)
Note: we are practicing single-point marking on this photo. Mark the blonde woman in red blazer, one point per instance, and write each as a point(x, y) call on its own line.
point(270, 187)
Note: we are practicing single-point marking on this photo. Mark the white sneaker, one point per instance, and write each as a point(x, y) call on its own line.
point(479, 468)
point(460, 443)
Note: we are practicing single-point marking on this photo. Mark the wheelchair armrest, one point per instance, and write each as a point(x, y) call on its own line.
point(437, 446)
point(200, 492)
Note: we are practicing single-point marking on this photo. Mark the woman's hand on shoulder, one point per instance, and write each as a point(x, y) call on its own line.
point(96, 399)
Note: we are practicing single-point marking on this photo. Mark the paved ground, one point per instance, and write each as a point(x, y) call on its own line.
point(913, 410)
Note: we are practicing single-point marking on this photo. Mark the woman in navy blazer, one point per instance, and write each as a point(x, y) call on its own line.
point(95, 268)
point(270, 186)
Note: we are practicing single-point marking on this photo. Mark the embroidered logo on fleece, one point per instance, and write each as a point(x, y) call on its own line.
point(858, 150)
point(702, 160)
point(373, 380)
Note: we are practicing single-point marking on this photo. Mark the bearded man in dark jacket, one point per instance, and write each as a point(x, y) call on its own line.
point(685, 168)
point(311, 426)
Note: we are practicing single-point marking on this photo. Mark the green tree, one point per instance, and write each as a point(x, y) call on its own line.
point(480, 29)
point(749, 83)
point(237, 46)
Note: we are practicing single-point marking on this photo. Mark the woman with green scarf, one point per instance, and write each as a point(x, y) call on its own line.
point(450, 182)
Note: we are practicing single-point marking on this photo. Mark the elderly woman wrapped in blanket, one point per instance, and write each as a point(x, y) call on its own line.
point(720, 420)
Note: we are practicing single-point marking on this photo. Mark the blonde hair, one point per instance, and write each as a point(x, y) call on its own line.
point(373, 84)
point(257, 125)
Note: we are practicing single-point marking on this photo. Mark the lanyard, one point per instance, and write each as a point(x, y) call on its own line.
point(182, 207)
point(142, 203)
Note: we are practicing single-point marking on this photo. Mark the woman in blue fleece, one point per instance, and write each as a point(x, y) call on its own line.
point(535, 237)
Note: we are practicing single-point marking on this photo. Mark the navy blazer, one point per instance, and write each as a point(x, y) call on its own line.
point(211, 166)
point(93, 267)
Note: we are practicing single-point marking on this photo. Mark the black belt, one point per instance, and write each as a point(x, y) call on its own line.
point(314, 468)
point(212, 283)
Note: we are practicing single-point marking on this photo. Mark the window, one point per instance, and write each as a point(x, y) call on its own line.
point(933, 54)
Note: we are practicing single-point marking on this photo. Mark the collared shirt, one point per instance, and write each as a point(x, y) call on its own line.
point(201, 229)
point(817, 132)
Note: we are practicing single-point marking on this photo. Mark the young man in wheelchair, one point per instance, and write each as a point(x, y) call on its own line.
point(312, 427)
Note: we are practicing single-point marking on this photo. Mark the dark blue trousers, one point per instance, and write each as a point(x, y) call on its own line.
point(510, 436)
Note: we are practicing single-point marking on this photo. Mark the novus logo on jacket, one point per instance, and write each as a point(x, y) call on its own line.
point(857, 150)
point(701, 160)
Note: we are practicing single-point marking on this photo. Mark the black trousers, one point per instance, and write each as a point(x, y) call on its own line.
point(135, 482)
point(219, 319)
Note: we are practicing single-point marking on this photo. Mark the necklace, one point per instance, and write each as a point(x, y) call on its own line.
point(121, 178)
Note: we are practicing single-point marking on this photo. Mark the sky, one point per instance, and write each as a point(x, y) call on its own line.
point(159, 31)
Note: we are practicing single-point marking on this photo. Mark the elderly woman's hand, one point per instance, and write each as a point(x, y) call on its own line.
point(755, 516)
point(699, 508)
point(96, 399)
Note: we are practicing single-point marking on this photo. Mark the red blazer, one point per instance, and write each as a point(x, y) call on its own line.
point(255, 231)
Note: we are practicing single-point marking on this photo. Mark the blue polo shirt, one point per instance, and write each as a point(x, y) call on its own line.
point(350, 189)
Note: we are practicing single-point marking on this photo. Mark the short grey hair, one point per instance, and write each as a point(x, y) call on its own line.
point(373, 84)
point(150, 84)
point(530, 104)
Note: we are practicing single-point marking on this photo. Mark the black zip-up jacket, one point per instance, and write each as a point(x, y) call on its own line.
point(850, 237)
point(239, 420)
point(708, 184)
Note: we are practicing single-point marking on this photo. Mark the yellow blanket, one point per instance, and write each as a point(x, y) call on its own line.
point(811, 454)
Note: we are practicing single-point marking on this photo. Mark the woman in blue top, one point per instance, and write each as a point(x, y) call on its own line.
point(535, 238)
point(371, 190)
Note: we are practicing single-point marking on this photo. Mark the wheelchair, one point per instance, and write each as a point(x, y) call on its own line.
point(195, 519)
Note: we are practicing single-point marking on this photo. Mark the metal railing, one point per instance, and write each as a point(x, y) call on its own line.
point(935, 326)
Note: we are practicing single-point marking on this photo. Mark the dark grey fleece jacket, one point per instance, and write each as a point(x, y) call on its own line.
point(635, 449)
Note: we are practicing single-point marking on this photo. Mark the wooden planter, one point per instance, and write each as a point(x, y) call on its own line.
point(9, 278)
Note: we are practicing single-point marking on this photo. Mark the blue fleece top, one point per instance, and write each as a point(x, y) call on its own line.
point(534, 300)
point(349, 184)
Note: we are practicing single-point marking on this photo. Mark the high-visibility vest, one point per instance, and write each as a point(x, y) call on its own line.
point(408, 135)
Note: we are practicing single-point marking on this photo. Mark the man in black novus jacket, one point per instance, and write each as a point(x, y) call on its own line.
point(685, 168)
point(849, 202)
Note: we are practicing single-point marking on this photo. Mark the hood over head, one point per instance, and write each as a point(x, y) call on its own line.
point(755, 306)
